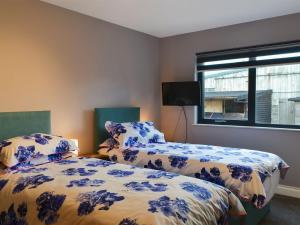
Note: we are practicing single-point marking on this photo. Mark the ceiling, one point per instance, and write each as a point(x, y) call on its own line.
point(162, 18)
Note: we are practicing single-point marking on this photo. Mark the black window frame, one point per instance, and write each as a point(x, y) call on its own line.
point(251, 53)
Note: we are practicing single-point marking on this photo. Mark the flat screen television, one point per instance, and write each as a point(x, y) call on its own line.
point(185, 93)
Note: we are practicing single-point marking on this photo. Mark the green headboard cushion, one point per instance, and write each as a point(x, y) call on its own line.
point(13, 124)
point(119, 115)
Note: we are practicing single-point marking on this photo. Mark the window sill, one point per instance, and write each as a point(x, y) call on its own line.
point(247, 127)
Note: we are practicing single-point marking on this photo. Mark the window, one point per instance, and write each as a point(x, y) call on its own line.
point(224, 94)
point(255, 86)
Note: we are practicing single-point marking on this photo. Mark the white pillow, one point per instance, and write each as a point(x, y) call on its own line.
point(134, 133)
point(22, 149)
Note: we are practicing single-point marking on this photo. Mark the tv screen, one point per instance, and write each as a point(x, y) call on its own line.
point(181, 93)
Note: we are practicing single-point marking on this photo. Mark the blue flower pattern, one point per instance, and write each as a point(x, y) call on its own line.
point(208, 158)
point(109, 144)
point(41, 141)
point(66, 162)
point(143, 130)
point(199, 192)
point(258, 200)
point(4, 144)
point(31, 182)
point(155, 139)
point(21, 165)
point(25, 153)
point(12, 217)
point(34, 150)
point(55, 157)
point(3, 182)
point(114, 158)
point(22, 209)
point(132, 134)
point(130, 155)
point(53, 197)
point(263, 176)
point(160, 174)
point(31, 170)
point(63, 147)
point(39, 138)
point(116, 129)
point(243, 173)
point(86, 182)
point(156, 151)
point(228, 153)
point(178, 161)
point(48, 205)
point(128, 221)
point(176, 146)
point(88, 201)
point(176, 208)
point(100, 163)
point(220, 165)
point(157, 165)
point(144, 186)
point(250, 160)
point(79, 171)
point(212, 176)
point(132, 141)
point(120, 173)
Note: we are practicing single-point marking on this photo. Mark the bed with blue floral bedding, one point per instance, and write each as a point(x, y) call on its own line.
point(243, 171)
point(93, 191)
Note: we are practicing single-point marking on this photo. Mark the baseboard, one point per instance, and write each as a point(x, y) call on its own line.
point(288, 191)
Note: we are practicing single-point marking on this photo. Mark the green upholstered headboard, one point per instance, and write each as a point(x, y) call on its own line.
point(119, 115)
point(14, 124)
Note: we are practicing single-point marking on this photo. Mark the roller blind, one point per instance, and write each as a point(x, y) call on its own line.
point(249, 57)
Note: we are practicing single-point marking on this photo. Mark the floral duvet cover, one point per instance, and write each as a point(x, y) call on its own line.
point(93, 191)
point(242, 171)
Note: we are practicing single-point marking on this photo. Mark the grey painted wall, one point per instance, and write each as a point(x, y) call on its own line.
point(52, 58)
point(56, 59)
point(177, 64)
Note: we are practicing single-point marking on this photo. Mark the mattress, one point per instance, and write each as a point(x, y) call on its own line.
point(252, 175)
point(93, 191)
point(271, 184)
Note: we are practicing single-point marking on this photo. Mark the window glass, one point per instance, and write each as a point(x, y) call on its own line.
point(279, 56)
point(263, 91)
point(226, 94)
point(227, 61)
point(278, 95)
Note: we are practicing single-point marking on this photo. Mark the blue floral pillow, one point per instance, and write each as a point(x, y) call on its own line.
point(108, 145)
point(134, 133)
point(42, 160)
point(21, 150)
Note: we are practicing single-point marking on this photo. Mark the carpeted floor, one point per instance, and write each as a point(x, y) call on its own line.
point(284, 211)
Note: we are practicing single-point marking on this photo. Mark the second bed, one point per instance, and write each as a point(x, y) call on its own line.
point(252, 175)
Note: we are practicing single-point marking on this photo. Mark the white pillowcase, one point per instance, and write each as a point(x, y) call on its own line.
point(20, 150)
point(134, 133)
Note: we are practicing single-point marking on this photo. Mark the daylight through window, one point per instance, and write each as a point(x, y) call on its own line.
point(261, 88)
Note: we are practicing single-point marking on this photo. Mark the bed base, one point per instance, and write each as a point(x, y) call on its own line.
point(254, 215)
